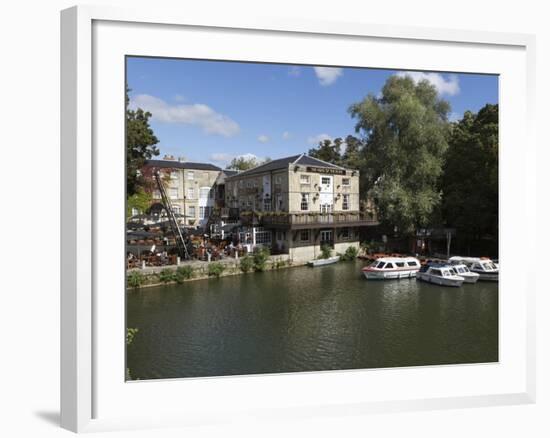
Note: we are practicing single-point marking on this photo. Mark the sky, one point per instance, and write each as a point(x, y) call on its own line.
point(213, 111)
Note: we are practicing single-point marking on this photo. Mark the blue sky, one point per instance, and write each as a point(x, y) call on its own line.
point(212, 111)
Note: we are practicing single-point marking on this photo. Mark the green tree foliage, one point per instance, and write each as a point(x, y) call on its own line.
point(328, 150)
point(246, 264)
point(130, 335)
point(215, 269)
point(350, 254)
point(470, 181)
point(405, 134)
point(166, 275)
point(244, 163)
point(140, 200)
point(326, 252)
point(135, 279)
point(260, 257)
point(183, 273)
point(140, 146)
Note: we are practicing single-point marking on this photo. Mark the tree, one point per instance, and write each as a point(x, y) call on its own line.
point(243, 163)
point(405, 133)
point(328, 150)
point(140, 146)
point(470, 180)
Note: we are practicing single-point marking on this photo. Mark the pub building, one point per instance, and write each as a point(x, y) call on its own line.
point(294, 205)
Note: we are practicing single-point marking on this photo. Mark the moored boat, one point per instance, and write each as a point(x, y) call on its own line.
point(386, 268)
point(462, 270)
point(486, 269)
point(441, 274)
point(323, 262)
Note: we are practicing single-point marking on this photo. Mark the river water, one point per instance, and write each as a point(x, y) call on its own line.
point(307, 319)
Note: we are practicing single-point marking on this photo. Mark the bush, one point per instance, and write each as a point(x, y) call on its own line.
point(166, 275)
point(135, 279)
point(279, 263)
point(350, 254)
point(246, 264)
point(183, 273)
point(260, 259)
point(130, 334)
point(326, 252)
point(215, 269)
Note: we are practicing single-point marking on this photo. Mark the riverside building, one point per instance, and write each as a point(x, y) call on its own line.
point(294, 205)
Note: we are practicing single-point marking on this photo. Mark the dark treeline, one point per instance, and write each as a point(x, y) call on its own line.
point(420, 169)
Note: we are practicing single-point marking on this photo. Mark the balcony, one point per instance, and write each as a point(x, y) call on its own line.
point(297, 221)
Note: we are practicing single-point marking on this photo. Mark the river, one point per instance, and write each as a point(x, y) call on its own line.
point(307, 319)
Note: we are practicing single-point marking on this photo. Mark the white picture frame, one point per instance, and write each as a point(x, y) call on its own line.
point(92, 385)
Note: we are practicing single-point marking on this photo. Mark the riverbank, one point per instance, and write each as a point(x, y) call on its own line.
point(200, 270)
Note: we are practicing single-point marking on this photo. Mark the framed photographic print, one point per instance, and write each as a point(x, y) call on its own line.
point(252, 210)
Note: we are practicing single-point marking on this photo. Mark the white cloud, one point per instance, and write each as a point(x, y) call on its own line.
point(327, 75)
point(196, 114)
point(294, 71)
point(263, 138)
point(286, 135)
point(318, 138)
point(447, 86)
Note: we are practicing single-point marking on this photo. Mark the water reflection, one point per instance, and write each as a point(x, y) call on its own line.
point(305, 319)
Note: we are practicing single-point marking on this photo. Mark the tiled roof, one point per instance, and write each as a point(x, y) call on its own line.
point(173, 164)
point(282, 163)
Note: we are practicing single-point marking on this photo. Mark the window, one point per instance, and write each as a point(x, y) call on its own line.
point(135, 211)
point(263, 237)
point(255, 183)
point(267, 204)
point(174, 174)
point(278, 179)
point(325, 180)
point(191, 211)
point(191, 193)
point(305, 202)
point(279, 203)
point(241, 183)
point(176, 209)
point(345, 182)
point(204, 192)
point(389, 266)
point(304, 179)
point(173, 193)
point(381, 265)
point(304, 236)
point(345, 202)
point(204, 212)
point(345, 234)
point(190, 174)
point(400, 264)
point(411, 263)
point(156, 194)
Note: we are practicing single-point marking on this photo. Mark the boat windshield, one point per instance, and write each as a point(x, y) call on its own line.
point(488, 266)
point(380, 265)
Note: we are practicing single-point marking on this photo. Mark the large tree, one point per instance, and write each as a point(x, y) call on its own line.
point(245, 162)
point(470, 181)
point(140, 146)
point(405, 132)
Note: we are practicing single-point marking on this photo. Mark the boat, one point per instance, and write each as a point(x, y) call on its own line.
point(462, 270)
point(387, 268)
point(323, 262)
point(486, 269)
point(441, 274)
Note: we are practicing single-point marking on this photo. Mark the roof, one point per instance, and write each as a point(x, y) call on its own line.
point(173, 164)
point(283, 163)
point(225, 173)
point(397, 259)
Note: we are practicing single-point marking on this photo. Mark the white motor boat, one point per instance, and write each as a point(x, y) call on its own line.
point(486, 269)
point(463, 271)
point(387, 268)
point(443, 275)
point(323, 262)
